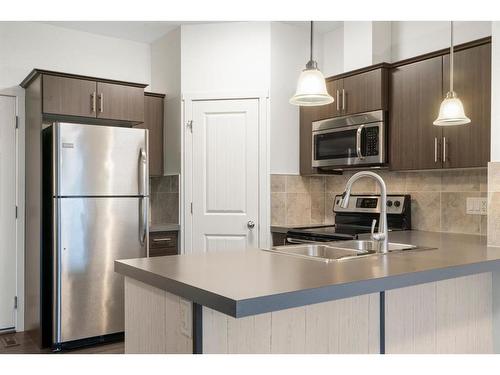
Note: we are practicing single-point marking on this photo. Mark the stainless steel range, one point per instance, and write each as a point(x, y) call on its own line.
point(356, 219)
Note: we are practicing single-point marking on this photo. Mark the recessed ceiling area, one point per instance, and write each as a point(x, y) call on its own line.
point(138, 31)
point(149, 31)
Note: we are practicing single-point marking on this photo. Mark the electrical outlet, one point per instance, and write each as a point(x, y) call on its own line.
point(186, 311)
point(476, 206)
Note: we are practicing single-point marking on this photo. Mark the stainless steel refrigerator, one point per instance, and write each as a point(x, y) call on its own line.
point(95, 204)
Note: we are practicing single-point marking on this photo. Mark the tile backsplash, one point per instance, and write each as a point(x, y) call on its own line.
point(438, 198)
point(164, 200)
point(494, 203)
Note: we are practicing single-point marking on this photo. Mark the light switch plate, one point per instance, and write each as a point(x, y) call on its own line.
point(483, 205)
point(186, 312)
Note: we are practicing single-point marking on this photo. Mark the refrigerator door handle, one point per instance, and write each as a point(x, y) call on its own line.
point(143, 183)
point(142, 173)
point(143, 221)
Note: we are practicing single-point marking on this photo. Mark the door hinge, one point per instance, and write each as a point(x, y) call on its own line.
point(17, 212)
point(17, 122)
point(189, 125)
point(15, 302)
point(191, 208)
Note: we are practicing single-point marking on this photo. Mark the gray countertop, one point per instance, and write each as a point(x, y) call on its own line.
point(255, 281)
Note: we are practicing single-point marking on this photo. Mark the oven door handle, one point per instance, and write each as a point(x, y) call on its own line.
point(358, 142)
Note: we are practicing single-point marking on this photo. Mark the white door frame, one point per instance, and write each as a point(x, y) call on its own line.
point(185, 188)
point(18, 93)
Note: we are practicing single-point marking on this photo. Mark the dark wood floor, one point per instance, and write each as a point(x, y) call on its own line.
point(25, 345)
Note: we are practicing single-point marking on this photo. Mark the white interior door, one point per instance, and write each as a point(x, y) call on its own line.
point(225, 179)
point(7, 211)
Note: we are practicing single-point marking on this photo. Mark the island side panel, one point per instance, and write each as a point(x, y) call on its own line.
point(450, 316)
point(153, 320)
point(349, 325)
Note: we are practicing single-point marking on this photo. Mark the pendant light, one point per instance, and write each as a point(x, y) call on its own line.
point(451, 111)
point(311, 86)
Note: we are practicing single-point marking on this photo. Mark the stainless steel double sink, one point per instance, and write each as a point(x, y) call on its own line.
point(339, 250)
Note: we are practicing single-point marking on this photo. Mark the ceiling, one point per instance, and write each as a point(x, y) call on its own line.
point(138, 31)
point(149, 31)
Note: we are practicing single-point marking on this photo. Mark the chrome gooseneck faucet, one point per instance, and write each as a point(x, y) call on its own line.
point(382, 235)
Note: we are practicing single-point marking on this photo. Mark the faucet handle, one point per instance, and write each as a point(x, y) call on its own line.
point(374, 223)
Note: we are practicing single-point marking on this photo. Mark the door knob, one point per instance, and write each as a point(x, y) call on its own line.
point(250, 224)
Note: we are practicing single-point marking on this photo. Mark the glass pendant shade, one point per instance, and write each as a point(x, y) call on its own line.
point(311, 89)
point(311, 86)
point(451, 112)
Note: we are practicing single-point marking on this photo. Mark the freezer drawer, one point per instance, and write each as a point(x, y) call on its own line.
point(94, 232)
point(100, 160)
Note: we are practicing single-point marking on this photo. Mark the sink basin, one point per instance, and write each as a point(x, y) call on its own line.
point(374, 246)
point(338, 250)
point(321, 251)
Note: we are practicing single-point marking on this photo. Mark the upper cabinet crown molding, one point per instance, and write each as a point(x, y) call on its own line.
point(37, 72)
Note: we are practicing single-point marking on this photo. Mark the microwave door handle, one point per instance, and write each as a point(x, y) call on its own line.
point(358, 142)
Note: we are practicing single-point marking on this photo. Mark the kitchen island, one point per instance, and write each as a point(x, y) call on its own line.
point(435, 300)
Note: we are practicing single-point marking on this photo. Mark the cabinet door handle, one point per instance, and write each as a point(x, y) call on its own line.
point(101, 102)
point(162, 239)
point(435, 150)
point(343, 99)
point(92, 101)
point(444, 149)
point(338, 100)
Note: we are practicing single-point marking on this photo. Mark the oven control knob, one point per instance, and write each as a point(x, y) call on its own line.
point(397, 204)
point(389, 203)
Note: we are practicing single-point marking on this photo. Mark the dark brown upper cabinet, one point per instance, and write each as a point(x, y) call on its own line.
point(469, 145)
point(334, 88)
point(364, 92)
point(69, 96)
point(153, 121)
point(119, 102)
point(307, 116)
point(416, 93)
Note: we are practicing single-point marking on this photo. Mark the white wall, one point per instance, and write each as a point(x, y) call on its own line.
point(332, 59)
point(231, 56)
point(28, 45)
point(412, 38)
point(357, 44)
point(289, 54)
point(495, 93)
point(381, 41)
point(166, 78)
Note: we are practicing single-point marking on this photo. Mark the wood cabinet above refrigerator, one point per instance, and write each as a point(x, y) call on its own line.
point(69, 97)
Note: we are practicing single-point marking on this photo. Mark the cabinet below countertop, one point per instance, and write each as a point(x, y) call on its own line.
point(163, 243)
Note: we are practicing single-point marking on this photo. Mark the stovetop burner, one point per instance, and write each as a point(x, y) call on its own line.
point(356, 219)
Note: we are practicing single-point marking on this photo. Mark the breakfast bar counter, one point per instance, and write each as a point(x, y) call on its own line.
point(246, 301)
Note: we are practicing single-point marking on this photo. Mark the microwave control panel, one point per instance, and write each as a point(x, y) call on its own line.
point(371, 141)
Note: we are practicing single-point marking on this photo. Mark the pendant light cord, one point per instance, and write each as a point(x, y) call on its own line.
point(311, 55)
point(451, 57)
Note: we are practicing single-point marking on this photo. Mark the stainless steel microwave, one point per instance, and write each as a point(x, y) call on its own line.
point(349, 141)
